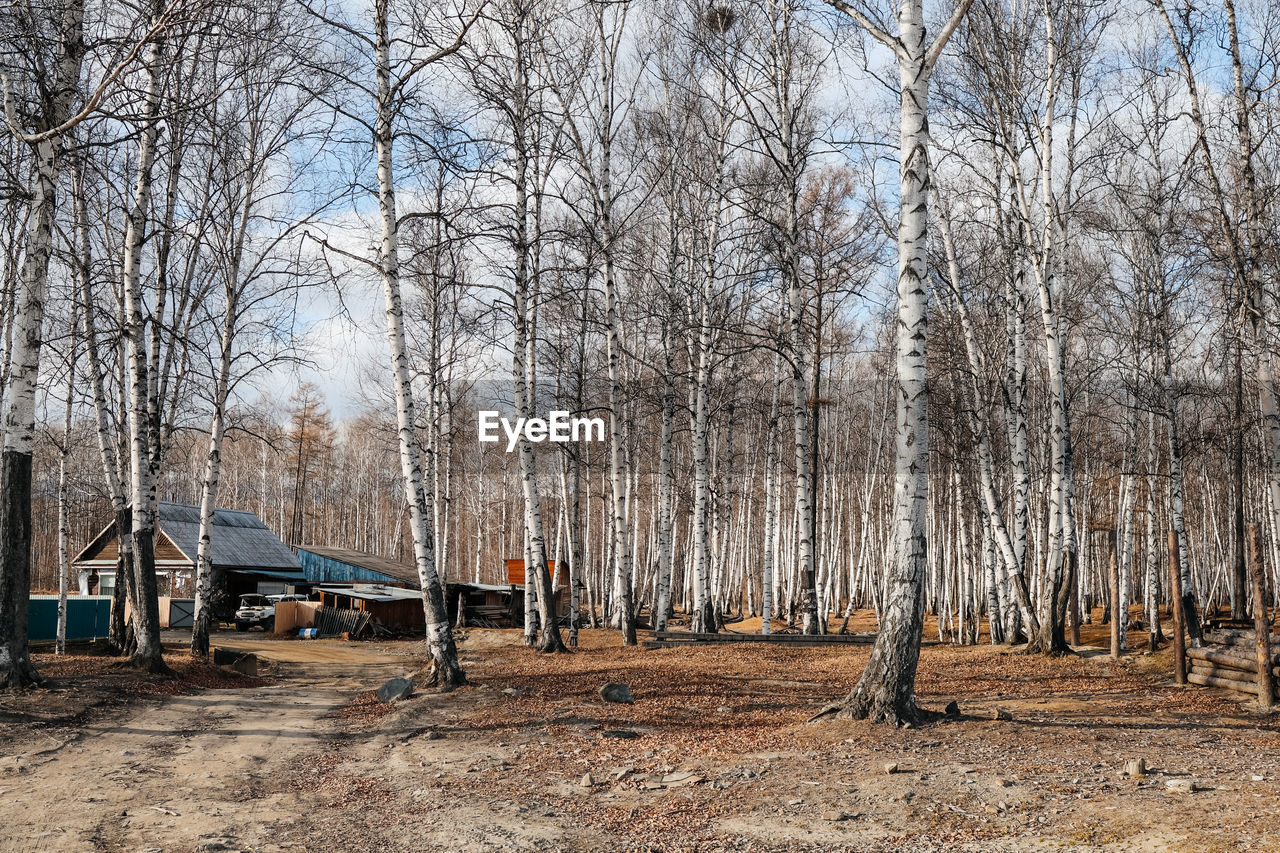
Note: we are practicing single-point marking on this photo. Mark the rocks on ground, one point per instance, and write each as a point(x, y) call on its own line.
point(395, 690)
point(614, 692)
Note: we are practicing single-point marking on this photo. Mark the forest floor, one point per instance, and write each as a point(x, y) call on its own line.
point(715, 754)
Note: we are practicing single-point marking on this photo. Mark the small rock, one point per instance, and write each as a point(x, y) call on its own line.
point(1135, 767)
point(1002, 714)
point(513, 692)
point(614, 692)
point(1180, 786)
point(395, 690)
point(246, 665)
point(1257, 778)
point(953, 709)
point(834, 817)
point(724, 709)
point(679, 779)
point(891, 767)
point(587, 781)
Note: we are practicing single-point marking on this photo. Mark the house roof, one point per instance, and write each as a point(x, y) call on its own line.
point(241, 542)
point(399, 571)
point(239, 538)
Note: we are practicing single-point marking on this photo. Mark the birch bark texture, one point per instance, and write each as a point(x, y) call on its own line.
point(16, 669)
point(448, 674)
point(886, 690)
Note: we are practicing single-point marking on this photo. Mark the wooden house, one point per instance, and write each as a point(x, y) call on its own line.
point(254, 558)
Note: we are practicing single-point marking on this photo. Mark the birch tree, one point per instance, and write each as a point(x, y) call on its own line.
point(394, 77)
point(253, 243)
point(886, 690)
point(43, 128)
point(592, 129)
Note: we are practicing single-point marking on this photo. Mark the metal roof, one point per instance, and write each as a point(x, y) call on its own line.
point(239, 538)
point(373, 593)
point(402, 572)
point(483, 587)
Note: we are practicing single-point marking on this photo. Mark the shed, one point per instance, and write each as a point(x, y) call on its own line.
point(393, 606)
point(559, 583)
point(254, 558)
point(484, 605)
point(325, 565)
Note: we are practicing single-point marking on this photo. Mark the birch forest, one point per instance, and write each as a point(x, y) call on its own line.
point(936, 310)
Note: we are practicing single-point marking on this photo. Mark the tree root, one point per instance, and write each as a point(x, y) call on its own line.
point(444, 685)
point(152, 665)
point(861, 709)
point(19, 676)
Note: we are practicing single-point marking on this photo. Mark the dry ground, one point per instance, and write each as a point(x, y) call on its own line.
point(304, 759)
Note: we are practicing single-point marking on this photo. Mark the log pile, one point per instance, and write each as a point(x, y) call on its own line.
point(1229, 661)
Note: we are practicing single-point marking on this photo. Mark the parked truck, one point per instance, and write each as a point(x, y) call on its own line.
point(256, 611)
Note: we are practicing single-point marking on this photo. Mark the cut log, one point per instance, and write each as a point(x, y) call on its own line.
point(1223, 674)
point(1197, 677)
point(1236, 638)
point(1227, 659)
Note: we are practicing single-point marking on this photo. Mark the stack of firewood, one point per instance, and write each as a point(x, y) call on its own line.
point(1229, 660)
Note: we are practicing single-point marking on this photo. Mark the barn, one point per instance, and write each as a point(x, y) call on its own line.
point(254, 558)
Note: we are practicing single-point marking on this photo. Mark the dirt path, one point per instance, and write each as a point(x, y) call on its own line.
point(211, 771)
point(715, 755)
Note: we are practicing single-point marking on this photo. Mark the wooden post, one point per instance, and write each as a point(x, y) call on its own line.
point(1175, 608)
point(1116, 615)
point(1261, 625)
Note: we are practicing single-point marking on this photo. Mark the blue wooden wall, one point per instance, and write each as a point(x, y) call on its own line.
point(325, 570)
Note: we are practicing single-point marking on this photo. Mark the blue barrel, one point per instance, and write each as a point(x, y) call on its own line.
point(308, 633)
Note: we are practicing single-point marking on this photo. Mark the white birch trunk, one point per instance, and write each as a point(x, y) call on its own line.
point(440, 643)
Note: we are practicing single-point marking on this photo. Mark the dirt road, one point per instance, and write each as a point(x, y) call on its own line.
point(216, 770)
point(715, 755)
